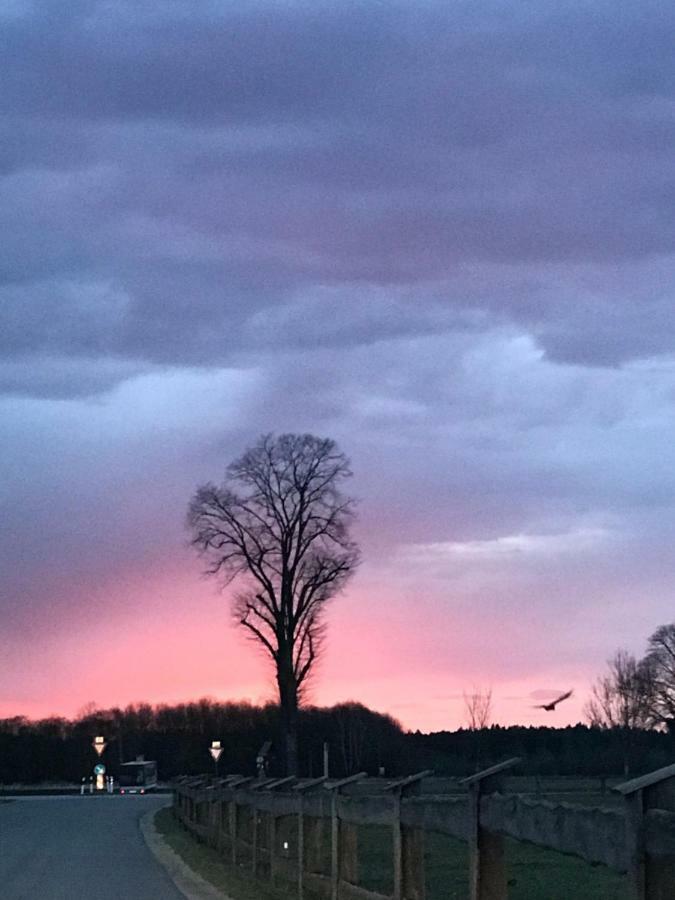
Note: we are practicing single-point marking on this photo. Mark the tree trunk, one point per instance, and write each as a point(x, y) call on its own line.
point(291, 742)
point(288, 702)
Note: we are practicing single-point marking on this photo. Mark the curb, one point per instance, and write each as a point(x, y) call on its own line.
point(188, 882)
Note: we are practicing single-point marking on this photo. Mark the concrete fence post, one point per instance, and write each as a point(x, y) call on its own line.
point(487, 866)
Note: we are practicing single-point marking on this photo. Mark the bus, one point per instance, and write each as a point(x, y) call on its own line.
point(138, 777)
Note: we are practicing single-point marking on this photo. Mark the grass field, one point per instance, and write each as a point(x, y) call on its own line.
point(533, 873)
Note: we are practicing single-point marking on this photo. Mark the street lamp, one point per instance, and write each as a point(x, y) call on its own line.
point(215, 750)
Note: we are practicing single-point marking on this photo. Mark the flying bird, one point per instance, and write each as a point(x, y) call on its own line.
point(549, 707)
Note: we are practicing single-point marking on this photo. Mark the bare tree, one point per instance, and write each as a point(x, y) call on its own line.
point(622, 699)
point(478, 709)
point(352, 728)
point(279, 525)
point(660, 660)
point(477, 714)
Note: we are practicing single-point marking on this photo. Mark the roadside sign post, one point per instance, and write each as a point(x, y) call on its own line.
point(215, 750)
point(99, 772)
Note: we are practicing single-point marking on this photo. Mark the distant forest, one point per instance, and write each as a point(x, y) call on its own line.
point(178, 737)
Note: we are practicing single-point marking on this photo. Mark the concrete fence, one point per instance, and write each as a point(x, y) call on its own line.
point(307, 831)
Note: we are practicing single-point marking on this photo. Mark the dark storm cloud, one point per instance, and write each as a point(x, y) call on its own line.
point(294, 60)
point(211, 168)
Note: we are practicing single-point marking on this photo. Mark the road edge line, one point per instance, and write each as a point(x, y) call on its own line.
point(188, 882)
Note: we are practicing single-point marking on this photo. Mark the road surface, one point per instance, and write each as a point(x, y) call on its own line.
point(79, 848)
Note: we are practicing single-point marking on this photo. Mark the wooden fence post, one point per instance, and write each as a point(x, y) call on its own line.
point(233, 830)
point(335, 787)
point(273, 785)
point(235, 782)
point(408, 843)
point(397, 846)
point(349, 852)
point(301, 849)
point(334, 847)
point(217, 812)
point(316, 833)
point(256, 815)
point(487, 866)
point(412, 857)
point(211, 814)
point(212, 826)
point(272, 843)
point(222, 807)
point(302, 789)
point(254, 840)
point(651, 875)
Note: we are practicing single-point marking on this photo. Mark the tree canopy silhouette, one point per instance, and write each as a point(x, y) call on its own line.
point(660, 660)
point(279, 527)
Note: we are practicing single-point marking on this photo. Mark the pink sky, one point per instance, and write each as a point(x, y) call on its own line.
point(164, 649)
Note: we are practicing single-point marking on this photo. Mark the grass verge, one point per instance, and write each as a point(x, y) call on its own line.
point(533, 872)
point(210, 865)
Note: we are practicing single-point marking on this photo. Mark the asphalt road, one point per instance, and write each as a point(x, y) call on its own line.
point(79, 848)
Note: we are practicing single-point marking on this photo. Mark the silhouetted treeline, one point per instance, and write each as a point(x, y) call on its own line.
point(179, 736)
point(575, 750)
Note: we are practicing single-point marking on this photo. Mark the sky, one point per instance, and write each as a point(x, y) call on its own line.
point(442, 234)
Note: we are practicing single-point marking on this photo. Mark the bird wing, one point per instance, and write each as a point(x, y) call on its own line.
point(562, 697)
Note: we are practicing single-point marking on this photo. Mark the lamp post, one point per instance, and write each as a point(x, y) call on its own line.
point(215, 750)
